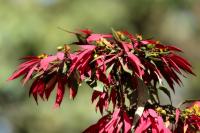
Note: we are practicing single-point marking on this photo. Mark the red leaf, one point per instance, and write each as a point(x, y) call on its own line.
point(143, 125)
point(50, 86)
point(127, 123)
point(133, 39)
point(34, 88)
point(152, 113)
point(29, 57)
point(29, 63)
point(29, 74)
point(119, 127)
point(110, 59)
point(60, 55)
point(125, 46)
point(182, 63)
point(95, 95)
point(44, 63)
point(170, 72)
point(91, 129)
point(136, 63)
point(88, 47)
point(149, 42)
point(95, 37)
point(181, 59)
point(40, 89)
point(116, 113)
point(113, 96)
point(177, 115)
point(173, 64)
point(60, 92)
point(173, 48)
point(18, 73)
point(72, 93)
point(78, 59)
point(166, 73)
point(86, 31)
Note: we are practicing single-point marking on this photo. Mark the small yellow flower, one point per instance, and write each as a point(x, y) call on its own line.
point(60, 48)
point(42, 56)
point(139, 37)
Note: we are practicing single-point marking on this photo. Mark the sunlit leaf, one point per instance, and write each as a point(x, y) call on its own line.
point(166, 91)
point(99, 86)
point(142, 100)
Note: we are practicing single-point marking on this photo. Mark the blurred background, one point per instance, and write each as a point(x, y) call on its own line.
point(29, 27)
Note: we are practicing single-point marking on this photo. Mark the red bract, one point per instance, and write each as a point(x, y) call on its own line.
point(97, 37)
point(115, 123)
point(86, 31)
point(81, 60)
point(26, 68)
point(103, 99)
point(189, 120)
point(136, 64)
point(47, 71)
point(161, 60)
point(192, 123)
point(151, 121)
point(35, 63)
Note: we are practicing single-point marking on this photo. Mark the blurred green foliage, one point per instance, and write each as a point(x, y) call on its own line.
point(30, 27)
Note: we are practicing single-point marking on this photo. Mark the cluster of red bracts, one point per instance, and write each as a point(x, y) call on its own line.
point(47, 71)
point(151, 121)
point(104, 99)
point(112, 123)
point(162, 62)
point(111, 65)
point(188, 120)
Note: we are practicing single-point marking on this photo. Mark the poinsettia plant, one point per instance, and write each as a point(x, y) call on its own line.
point(125, 71)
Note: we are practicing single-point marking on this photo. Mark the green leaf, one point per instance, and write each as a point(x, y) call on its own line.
point(98, 57)
point(65, 68)
point(115, 35)
point(166, 91)
point(188, 101)
point(142, 100)
point(99, 86)
point(124, 66)
point(109, 70)
point(38, 74)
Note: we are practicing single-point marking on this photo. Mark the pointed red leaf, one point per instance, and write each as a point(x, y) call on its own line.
point(174, 65)
point(88, 47)
point(50, 85)
point(29, 74)
point(95, 37)
point(78, 59)
point(136, 63)
point(86, 31)
point(127, 123)
point(95, 95)
point(60, 55)
point(44, 63)
point(19, 73)
point(119, 127)
point(72, 93)
point(177, 115)
point(182, 63)
point(34, 89)
point(29, 63)
point(173, 48)
point(152, 113)
point(60, 92)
